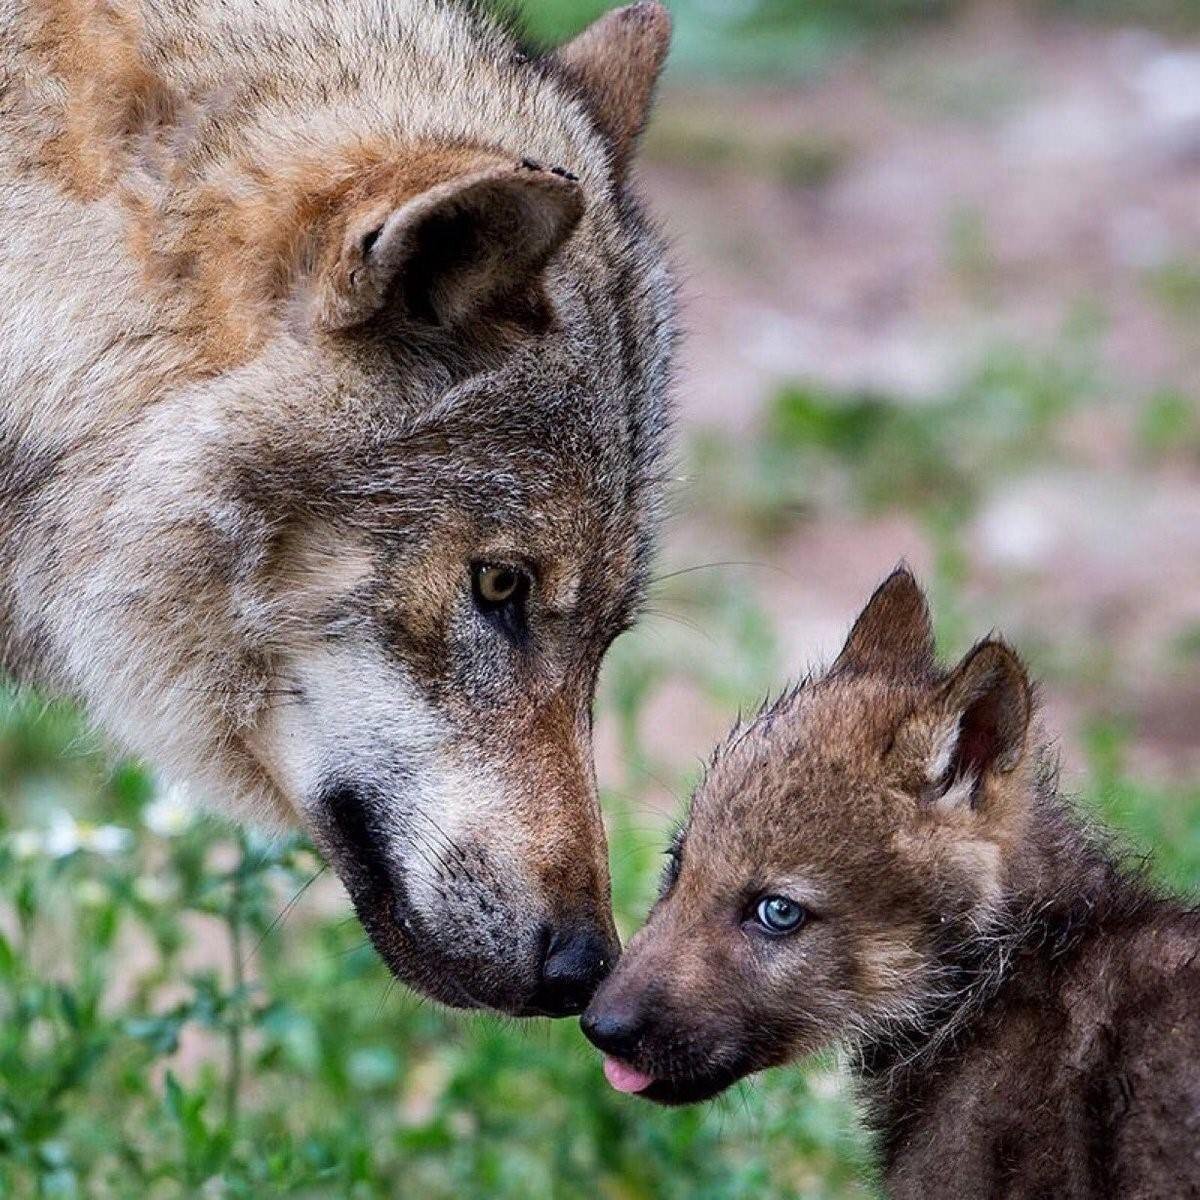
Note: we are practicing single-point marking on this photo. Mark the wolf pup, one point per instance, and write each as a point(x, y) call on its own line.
point(881, 858)
point(333, 351)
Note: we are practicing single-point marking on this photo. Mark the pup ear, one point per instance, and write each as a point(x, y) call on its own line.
point(893, 635)
point(616, 61)
point(455, 250)
point(984, 710)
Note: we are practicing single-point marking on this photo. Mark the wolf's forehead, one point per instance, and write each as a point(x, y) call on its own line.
point(573, 510)
point(806, 728)
point(576, 465)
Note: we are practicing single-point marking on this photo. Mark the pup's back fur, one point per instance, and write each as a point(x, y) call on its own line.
point(1021, 1011)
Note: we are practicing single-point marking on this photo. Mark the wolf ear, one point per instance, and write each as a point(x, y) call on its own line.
point(983, 712)
point(616, 61)
point(893, 635)
point(454, 251)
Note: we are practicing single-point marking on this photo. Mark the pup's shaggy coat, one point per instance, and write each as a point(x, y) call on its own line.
point(1020, 1011)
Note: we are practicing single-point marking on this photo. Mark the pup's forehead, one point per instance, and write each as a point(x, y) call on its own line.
point(810, 766)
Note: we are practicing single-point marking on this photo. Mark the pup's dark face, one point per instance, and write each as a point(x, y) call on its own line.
point(836, 845)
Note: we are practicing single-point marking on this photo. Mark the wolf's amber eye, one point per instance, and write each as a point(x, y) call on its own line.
point(500, 593)
point(497, 585)
point(779, 914)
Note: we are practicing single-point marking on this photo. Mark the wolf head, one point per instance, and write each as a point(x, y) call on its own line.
point(359, 560)
point(842, 843)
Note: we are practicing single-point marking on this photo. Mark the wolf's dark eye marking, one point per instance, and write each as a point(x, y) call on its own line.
point(501, 592)
point(779, 914)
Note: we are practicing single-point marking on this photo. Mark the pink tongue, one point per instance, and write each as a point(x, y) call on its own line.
point(624, 1077)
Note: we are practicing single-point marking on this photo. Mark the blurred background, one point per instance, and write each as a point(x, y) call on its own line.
point(941, 270)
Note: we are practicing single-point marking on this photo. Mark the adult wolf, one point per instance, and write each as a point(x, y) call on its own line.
point(333, 350)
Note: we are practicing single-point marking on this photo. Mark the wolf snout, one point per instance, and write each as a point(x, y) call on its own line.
point(575, 962)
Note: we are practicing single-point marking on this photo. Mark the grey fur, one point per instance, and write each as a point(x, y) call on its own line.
point(182, 542)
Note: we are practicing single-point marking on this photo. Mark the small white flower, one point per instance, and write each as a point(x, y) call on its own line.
point(105, 839)
point(65, 836)
point(40, 1034)
point(25, 844)
point(62, 838)
point(170, 813)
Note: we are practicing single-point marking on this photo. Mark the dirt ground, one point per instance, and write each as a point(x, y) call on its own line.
point(885, 228)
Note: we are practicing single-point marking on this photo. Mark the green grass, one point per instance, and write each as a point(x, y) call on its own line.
point(1169, 425)
point(126, 1069)
point(757, 39)
point(816, 449)
point(701, 141)
point(1175, 285)
point(791, 39)
point(1166, 14)
point(1160, 821)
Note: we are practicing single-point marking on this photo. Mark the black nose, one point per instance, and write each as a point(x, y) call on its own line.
point(615, 1027)
point(577, 958)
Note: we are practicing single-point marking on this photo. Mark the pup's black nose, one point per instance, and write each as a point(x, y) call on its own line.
point(615, 1027)
point(577, 958)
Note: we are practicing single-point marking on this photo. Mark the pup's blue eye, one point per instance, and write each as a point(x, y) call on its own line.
point(779, 914)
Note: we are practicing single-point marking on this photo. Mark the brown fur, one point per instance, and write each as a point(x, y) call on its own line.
point(110, 95)
point(234, 249)
point(1019, 1010)
point(237, 244)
